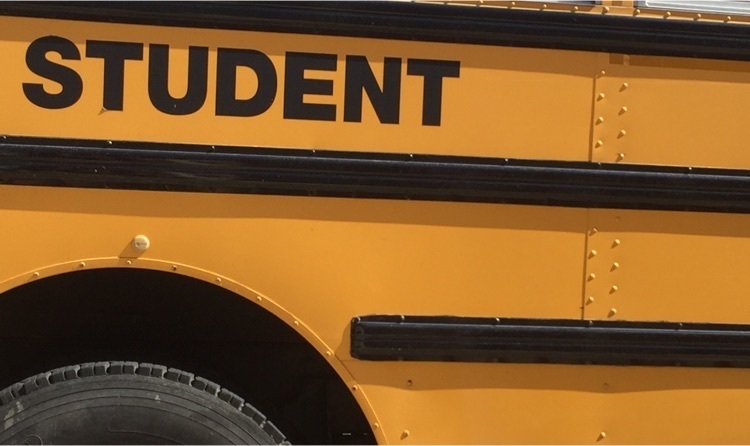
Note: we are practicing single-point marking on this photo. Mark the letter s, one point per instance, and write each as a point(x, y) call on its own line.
point(36, 60)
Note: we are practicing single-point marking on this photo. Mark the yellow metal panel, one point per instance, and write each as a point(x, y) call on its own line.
point(325, 260)
point(507, 102)
point(670, 111)
point(322, 260)
point(556, 404)
point(674, 266)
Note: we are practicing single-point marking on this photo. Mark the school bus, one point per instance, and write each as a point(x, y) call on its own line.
point(389, 222)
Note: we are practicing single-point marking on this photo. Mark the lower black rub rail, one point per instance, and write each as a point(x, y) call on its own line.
point(554, 341)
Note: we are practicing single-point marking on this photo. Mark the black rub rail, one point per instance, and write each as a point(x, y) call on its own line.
point(188, 168)
point(463, 339)
point(424, 22)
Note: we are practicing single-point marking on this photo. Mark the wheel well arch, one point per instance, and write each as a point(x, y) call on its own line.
point(192, 320)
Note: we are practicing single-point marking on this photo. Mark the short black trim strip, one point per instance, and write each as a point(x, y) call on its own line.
point(425, 22)
point(172, 167)
point(443, 338)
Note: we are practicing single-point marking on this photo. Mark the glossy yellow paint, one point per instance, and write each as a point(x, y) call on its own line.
point(670, 111)
point(500, 90)
point(555, 404)
point(675, 266)
point(465, 253)
point(505, 97)
point(321, 261)
point(474, 260)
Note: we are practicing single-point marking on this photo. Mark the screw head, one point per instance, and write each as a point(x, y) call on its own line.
point(141, 243)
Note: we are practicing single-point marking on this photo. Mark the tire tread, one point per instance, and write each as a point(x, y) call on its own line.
point(111, 368)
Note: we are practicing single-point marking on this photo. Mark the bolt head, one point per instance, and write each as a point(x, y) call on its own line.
point(141, 243)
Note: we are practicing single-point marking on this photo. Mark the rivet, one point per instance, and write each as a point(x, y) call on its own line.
point(602, 435)
point(259, 298)
point(623, 110)
point(592, 253)
point(615, 266)
point(512, 3)
point(129, 262)
point(622, 133)
point(667, 14)
point(82, 264)
point(599, 120)
point(602, 73)
point(296, 323)
point(729, 17)
point(612, 312)
point(375, 426)
point(592, 276)
point(614, 289)
point(636, 12)
point(354, 388)
point(174, 267)
point(109, 143)
point(606, 9)
point(328, 353)
point(140, 243)
point(599, 143)
point(620, 156)
point(409, 383)
point(600, 97)
point(405, 433)
point(36, 274)
point(544, 6)
point(590, 299)
point(624, 86)
point(575, 8)
point(698, 16)
point(594, 230)
point(616, 242)
point(218, 280)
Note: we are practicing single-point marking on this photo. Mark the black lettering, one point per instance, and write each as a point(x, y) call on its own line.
point(158, 84)
point(360, 78)
point(227, 103)
point(114, 54)
point(296, 86)
point(36, 60)
point(433, 72)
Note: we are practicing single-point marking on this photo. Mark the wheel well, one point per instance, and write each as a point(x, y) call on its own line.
point(181, 322)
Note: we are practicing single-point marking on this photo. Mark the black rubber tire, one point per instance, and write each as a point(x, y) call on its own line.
point(128, 403)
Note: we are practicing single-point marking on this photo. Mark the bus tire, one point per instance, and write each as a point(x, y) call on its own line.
point(128, 403)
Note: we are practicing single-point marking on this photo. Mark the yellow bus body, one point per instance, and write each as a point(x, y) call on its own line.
point(316, 262)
